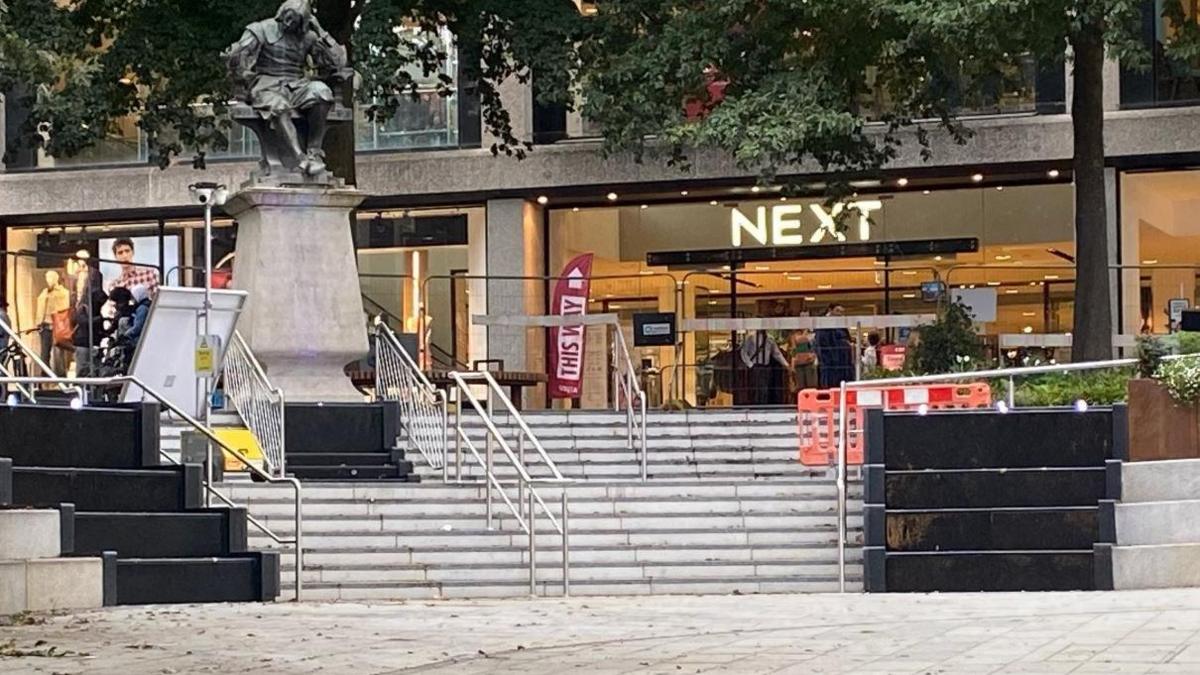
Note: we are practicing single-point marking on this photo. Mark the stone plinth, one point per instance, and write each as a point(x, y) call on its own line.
point(295, 258)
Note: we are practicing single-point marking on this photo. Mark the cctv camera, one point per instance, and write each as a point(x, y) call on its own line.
point(206, 193)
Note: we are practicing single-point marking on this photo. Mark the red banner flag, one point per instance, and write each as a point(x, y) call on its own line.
point(567, 343)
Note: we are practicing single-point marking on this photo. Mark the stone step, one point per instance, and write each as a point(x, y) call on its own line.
point(27, 534)
point(656, 436)
point(657, 455)
point(580, 524)
point(1149, 523)
point(514, 555)
point(1161, 481)
point(537, 418)
point(50, 584)
point(1158, 566)
point(434, 590)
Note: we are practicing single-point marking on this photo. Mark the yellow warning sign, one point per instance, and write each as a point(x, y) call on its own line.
point(244, 442)
point(204, 358)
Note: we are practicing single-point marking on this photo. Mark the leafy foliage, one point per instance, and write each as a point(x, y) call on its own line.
point(1152, 349)
point(1097, 387)
point(948, 345)
point(85, 63)
point(1181, 377)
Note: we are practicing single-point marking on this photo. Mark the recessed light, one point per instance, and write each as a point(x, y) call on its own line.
point(925, 192)
point(1003, 258)
point(683, 193)
point(824, 287)
point(1011, 291)
point(575, 210)
point(543, 200)
point(909, 273)
point(902, 182)
point(713, 203)
point(999, 188)
point(783, 199)
point(937, 258)
point(794, 277)
point(1149, 262)
point(755, 189)
point(1027, 330)
point(909, 296)
point(612, 196)
point(1028, 313)
point(809, 298)
point(609, 295)
point(978, 178)
point(1053, 173)
point(645, 206)
point(712, 302)
point(762, 268)
point(1050, 277)
point(725, 267)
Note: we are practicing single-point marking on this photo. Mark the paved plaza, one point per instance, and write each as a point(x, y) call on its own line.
point(1115, 632)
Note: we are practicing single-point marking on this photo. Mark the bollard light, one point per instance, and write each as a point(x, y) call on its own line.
point(13, 400)
point(1002, 407)
point(1081, 406)
point(77, 403)
point(922, 409)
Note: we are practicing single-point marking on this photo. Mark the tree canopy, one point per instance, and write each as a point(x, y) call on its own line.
point(84, 63)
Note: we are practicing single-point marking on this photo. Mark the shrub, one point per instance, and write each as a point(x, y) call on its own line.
point(948, 345)
point(1181, 377)
point(1097, 387)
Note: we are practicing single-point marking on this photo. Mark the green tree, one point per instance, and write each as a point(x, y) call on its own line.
point(794, 76)
point(82, 64)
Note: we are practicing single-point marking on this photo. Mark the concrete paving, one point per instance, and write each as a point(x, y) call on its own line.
point(1116, 632)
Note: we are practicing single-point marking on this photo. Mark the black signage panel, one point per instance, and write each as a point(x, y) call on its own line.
point(652, 329)
point(883, 249)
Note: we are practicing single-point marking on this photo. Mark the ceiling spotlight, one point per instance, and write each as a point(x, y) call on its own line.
point(683, 193)
point(1000, 188)
point(713, 203)
point(925, 192)
point(612, 196)
point(937, 258)
point(755, 189)
point(543, 200)
point(978, 178)
point(1003, 258)
point(1053, 173)
point(1149, 262)
point(645, 206)
point(783, 199)
point(575, 210)
point(902, 182)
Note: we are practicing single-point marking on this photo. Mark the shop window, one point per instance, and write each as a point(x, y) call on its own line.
point(1169, 80)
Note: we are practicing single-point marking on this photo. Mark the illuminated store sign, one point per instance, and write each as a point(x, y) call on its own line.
point(784, 225)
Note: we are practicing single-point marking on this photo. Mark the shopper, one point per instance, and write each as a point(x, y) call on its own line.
point(804, 360)
point(760, 355)
point(89, 320)
point(133, 274)
point(870, 356)
point(835, 352)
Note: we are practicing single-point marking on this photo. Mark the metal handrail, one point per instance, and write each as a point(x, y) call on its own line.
point(634, 395)
point(431, 442)
point(525, 483)
point(15, 338)
point(843, 433)
point(81, 383)
point(244, 388)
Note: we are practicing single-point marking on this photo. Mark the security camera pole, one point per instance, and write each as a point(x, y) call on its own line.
point(209, 195)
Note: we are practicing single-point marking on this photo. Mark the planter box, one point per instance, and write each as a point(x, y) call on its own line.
point(1159, 428)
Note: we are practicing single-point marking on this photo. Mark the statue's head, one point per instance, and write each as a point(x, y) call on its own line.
point(294, 16)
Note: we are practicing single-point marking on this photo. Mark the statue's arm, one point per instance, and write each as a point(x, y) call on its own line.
point(328, 55)
point(241, 57)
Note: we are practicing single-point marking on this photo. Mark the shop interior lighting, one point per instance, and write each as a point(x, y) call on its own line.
point(909, 296)
point(762, 268)
point(937, 258)
point(993, 283)
point(713, 203)
point(999, 188)
point(825, 287)
point(756, 189)
point(683, 193)
point(645, 206)
point(925, 192)
point(1052, 173)
point(1051, 277)
point(1027, 330)
point(575, 210)
point(1011, 291)
point(1028, 314)
point(1149, 262)
point(543, 200)
point(1003, 258)
point(909, 273)
point(978, 178)
point(902, 182)
point(809, 298)
point(612, 196)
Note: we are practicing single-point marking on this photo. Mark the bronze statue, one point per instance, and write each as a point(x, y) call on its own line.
point(274, 64)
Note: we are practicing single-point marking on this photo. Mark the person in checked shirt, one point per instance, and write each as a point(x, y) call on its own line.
point(133, 274)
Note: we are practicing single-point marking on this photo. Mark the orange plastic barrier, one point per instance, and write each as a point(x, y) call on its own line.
point(818, 414)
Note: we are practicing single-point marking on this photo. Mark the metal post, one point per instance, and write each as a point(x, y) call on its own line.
point(445, 439)
point(843, 437)
point(532, 544)
point(643, 434)
point(206, 404)
point(299, 541)
point(490, 454)
point(1012, 393)
point(521, 460)
point(566, 544)
point(282, 434)
point(858, 351)
point(458, 432)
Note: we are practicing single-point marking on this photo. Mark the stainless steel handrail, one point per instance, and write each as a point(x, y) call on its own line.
point(525, 483)
point(843, 433)
point(627, 383)
point(271, 434)
point(81, 383)
point(420, 432)
point(15, 338)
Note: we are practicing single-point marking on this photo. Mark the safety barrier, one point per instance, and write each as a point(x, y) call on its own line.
point(817, 413)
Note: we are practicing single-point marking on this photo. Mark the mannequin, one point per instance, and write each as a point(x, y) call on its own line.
point(54, 299)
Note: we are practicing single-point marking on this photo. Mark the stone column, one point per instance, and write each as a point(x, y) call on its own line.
point(303, 318)
point(515, 249)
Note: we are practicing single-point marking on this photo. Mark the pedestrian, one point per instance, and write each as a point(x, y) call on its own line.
point(835, 352)
point(90, 299)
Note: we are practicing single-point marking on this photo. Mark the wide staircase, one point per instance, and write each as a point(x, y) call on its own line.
point(726, 509)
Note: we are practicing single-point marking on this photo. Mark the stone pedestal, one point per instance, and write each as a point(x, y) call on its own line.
point(303, 317)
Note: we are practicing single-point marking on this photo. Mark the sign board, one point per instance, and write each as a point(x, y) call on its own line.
point(797, 224)
point(167, 356)
point(1190, 320)
point(932, 291)
point(654, 329)
point(567, 344)
point(980, 301)
point(1175, 307)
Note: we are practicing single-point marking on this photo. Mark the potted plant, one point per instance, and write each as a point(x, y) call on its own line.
point(1164, 400)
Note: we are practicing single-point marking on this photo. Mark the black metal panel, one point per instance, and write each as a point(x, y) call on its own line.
point(989, 439)
point(992, 488)
point(108, 561)
point(966, 572)
point(1113, 486)
point(390, 423)
point(66, 528)
point(992, 530)
point(6, 481)
point(193, 486)
point(58, 436)
point(733, 256)
point(159, 581)
point(150, 417)
point(1102, 556)
point(1108, 522)
point(874, 484)
point(335, 427)
point(153, 535)
point(874, 569)
point(873, 437)
point(874, 525)
point(235, 531)
point(1120, 432)
point(268, 573)
point(161, 489)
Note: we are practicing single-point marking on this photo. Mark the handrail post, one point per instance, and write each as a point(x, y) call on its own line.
point(445, 438)
point(491, 464)
point(521, 457)
point(1012, 393)
point(282, 434)
point(843, 437)
point(532, 522)
point(458, 434)
point(566, 545)
point(645, 459)
point(299, 536)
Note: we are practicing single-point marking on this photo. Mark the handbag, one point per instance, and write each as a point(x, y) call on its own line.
point(64, 329)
